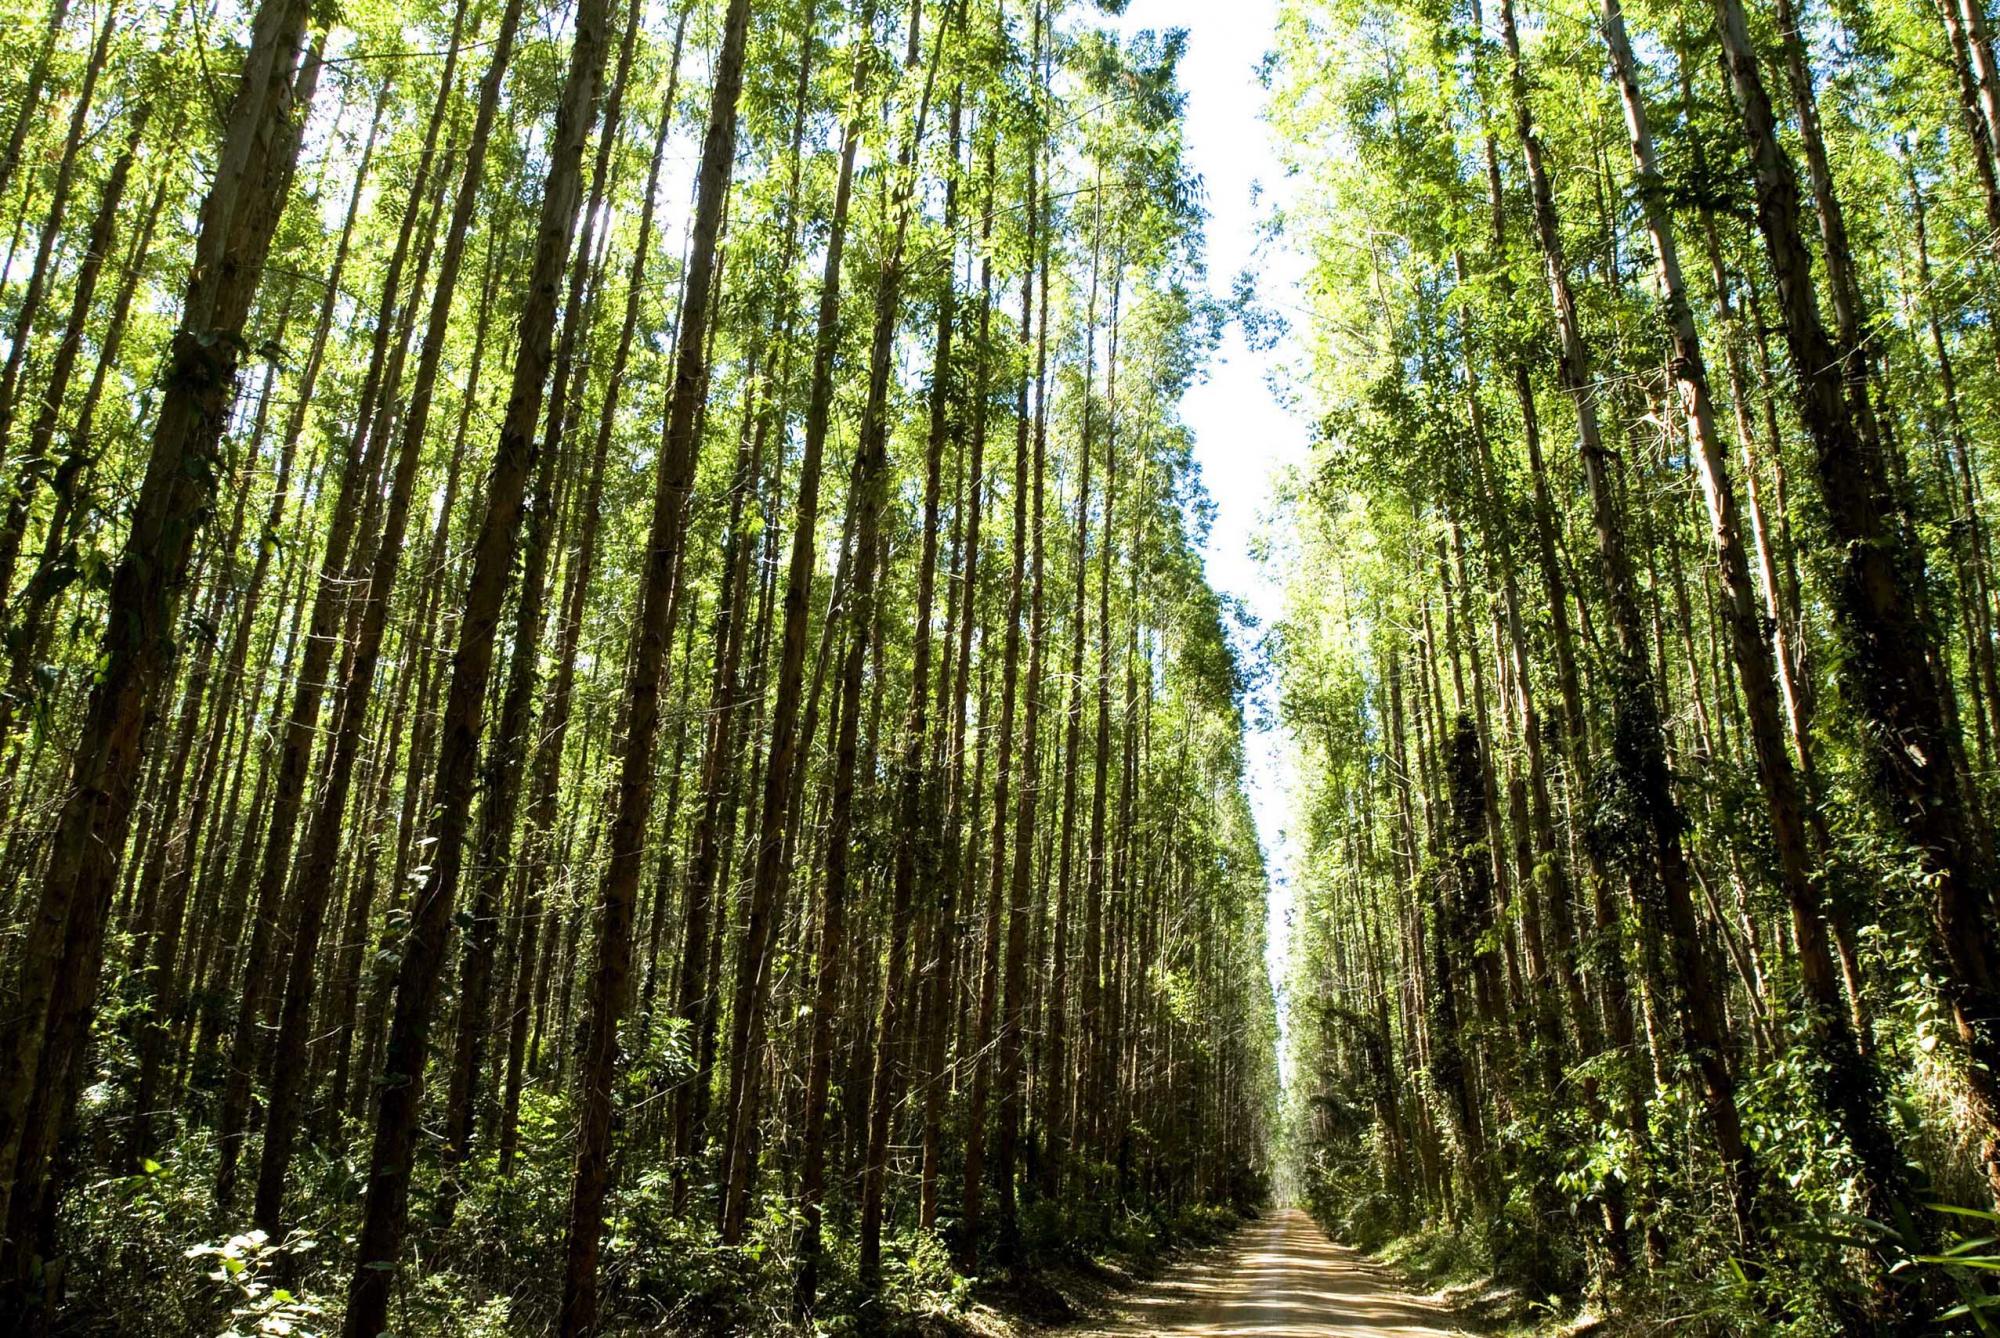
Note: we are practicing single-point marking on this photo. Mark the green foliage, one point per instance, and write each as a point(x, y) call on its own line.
point(245, 1268)
point(1445, 501)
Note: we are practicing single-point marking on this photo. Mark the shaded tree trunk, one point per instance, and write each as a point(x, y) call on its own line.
point(653, 633)
point(385, 1209)
point(41, 1047)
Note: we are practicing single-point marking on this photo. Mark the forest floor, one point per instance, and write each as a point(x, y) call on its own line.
point(1277, 1277)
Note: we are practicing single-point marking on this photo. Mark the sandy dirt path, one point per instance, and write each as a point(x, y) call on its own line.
point(1278, 1278)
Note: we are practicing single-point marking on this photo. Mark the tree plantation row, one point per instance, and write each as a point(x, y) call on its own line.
point(1639, 653)
point(611, 716)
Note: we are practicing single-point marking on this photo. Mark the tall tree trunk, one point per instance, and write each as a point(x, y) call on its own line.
point(25, 636)
point(990, 958)
point(1638, 749)
point(909, 771)
point(359, 457)
point(1055, 1083)
point(1090, 1121)
point(320, 854)
point(960, 865)
point(1015, 985)
point(56, 990)
point(698, 995)
point(1848, 1083)
point(507, 760)
point(783, 773)
point(385, 1210)
point(539, 840)
point(1888, 642)
point(653, 633)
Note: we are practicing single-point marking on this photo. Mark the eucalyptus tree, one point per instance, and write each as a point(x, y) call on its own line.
point(810, 798)
point(55, 992)
point(386, 1209)
point(1774, 857)
point(654, 632)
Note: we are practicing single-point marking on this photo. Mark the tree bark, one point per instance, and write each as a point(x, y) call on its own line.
point(653, 633)
point(1638, 750)
point(385, 1209)
point(784, 767)
point(56, 989)
point(1888, 642)
point(911, 849)
point(359, 457)
point(321, 851)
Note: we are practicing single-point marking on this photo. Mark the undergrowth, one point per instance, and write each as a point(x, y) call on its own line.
point(151, 1254)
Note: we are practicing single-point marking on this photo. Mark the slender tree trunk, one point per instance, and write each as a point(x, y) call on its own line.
point(385, 1210)
point(507, 760)
point(1888, 642)
point(1012, 1036)
point(699, 992)
point(1055, 1111)
point(1637, 746)
point(909, 771)
point(1090, 1120)
point(26, 636)
point(783, 774)
point(54, 996)
point(359, 456)
point(990, 960)
point(321, 851)
point(653, 632)
point(1849, 1085)
point(539, 841)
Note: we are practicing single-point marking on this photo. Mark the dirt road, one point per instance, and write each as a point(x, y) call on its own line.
point(1279, 1278)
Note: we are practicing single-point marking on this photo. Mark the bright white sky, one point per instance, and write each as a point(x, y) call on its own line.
point(1243, 436)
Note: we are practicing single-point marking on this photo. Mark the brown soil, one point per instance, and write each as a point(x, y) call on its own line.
point(1278, 1278)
